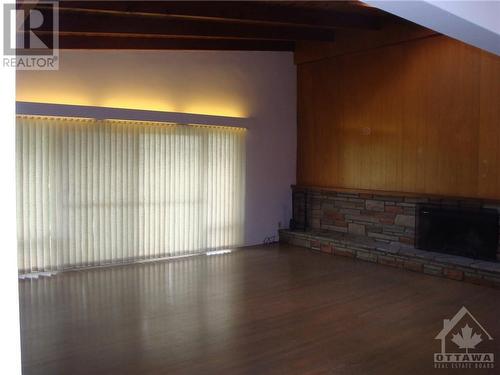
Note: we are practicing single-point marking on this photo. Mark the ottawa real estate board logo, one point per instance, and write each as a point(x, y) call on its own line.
point(31, 35)
point(460, 338)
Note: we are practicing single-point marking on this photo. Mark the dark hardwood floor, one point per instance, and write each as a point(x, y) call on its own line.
point(264, 310)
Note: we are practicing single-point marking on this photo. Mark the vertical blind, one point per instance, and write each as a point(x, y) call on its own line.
point(94, 192)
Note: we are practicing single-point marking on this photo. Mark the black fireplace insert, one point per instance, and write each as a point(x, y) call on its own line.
point(469, 232)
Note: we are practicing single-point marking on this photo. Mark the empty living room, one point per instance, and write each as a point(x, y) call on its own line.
point(250, 187)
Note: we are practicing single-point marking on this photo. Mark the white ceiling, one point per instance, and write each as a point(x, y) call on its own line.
point(473, 22)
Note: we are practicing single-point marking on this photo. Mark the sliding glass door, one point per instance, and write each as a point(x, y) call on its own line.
point(93, 192)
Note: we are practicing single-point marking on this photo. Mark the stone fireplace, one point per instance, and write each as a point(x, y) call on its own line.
point(382, 228)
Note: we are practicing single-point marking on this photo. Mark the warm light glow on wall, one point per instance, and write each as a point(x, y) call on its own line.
point(135, 102)
point(57, 89)
point(183, 82)
point(212, 107)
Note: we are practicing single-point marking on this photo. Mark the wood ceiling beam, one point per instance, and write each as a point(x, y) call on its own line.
point(158, 42)
point(109, 22)
point(238, 11)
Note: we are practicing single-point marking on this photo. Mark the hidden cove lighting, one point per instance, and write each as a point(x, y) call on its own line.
point(127, 114)
point(209, 106)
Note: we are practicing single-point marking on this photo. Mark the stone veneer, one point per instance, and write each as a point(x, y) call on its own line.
point(381, 229)
point(384, 218)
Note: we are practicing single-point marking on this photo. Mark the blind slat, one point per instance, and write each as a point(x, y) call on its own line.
point(95, 192)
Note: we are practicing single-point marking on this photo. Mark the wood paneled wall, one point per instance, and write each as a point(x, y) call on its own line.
point(421, 116)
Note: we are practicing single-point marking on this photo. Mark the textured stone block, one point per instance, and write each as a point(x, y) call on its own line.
point(486, 266)
point(413, 265)
point(328, 194)
point(344, 252)
point(284, 238)
point(409, 211)
point(391, 247)
point(347, 195)
point(388, 261)
point(405, 220)
point(372, 205)
point(386, 221)
point(315, 244)
point(455, 260)
point(410, 232)
point(328, 207)
point(382, 215)
point(334, 228)
point(339, 223)
point(315, 223)
point(416, 200)
point(362, 218)
point(433, 270)
point(333, 215)
point(394, 209)
point(301, 242)
point(453, 274)
point(346, 204)
point(366, 256)
point(326, 248)
point(357, 200)
point(417, 253)
point(316, 204)
point(350, 211)
point(407, 240)
point(394, 229)
point(358, 229)
point(326, 221)
point(388, 198)
point(316, 212)
point(365, 196)
point(384, 237)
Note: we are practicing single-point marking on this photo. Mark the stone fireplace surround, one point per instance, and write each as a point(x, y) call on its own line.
point(379, 227)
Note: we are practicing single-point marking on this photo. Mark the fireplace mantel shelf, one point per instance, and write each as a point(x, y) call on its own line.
point(402, 194)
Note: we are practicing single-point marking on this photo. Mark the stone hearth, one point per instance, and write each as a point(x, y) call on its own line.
point(381, 229)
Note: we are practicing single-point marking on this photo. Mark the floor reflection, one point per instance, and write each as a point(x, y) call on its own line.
point(273, 310)
point(136, 311)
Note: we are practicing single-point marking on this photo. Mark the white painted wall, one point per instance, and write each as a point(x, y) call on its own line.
point(258, 85)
